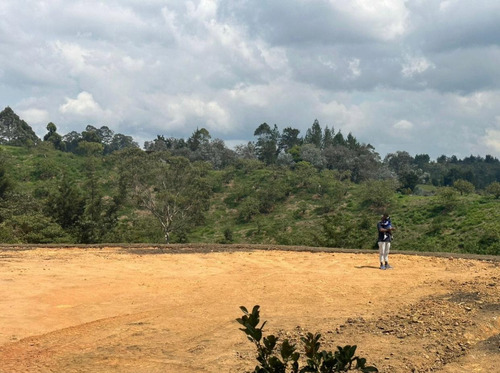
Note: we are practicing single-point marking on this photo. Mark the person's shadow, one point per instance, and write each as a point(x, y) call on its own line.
point(361, 267)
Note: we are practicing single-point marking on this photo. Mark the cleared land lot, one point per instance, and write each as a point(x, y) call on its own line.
point(140, 310)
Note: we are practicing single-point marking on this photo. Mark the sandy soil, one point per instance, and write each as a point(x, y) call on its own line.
point(126, 310)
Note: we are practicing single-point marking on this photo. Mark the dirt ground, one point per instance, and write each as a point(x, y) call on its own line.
point(142, 310)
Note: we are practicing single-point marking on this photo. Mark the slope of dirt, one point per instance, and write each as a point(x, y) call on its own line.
point(142, 310)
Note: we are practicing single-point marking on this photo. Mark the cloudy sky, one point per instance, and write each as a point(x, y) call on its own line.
point(417, 75)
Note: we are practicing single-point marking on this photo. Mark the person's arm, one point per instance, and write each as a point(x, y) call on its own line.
point(385, 230)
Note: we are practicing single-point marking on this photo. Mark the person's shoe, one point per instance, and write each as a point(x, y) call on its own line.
point(388, 266)
point(382, 266)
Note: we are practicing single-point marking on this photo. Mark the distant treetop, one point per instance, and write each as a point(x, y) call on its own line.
point(15, 131)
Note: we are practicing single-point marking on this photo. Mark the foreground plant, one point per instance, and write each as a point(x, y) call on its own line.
point(282, 359)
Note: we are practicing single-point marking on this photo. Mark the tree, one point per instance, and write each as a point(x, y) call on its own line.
point(338, 139)
point(494, 189)
point(71, 141)
point(314, 135)
point(339, 158)
point(214, 152)
point(448, 198)
point(267, 143)
point(15, 131)
point(65, 204)
point(89, 148)
point(400, 162)
point(157, 145)
point(53, 137)
point(119, 142)
point(198, 138)
point(91, 134)
point(409, 180)
point(312, 154)
point(463, 186)
point(106, 135)
point(289, 138)
point(246, 151)
point(100, 214)
point(378, 194)
point(422, 160)
point(327, 138)
point(5, 182)
point(352, 142)
point(174, 190)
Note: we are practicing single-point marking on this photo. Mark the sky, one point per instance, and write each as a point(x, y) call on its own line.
point(421, 76)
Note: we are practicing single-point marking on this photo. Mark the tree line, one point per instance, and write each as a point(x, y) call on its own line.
point(321, 147)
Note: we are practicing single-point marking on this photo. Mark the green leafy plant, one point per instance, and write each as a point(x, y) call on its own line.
point(273, 358)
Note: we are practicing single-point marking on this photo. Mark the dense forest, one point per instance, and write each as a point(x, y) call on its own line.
point(321, 189)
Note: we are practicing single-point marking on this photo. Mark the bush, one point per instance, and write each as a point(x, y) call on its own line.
point(286, 359)
point(494, 189)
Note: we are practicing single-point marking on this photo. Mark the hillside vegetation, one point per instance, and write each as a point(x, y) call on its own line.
point(321, 190)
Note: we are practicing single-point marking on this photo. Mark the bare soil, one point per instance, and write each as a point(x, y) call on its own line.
point(124, 309)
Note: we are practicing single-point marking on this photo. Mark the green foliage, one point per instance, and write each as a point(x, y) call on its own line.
point(65, 203)
point(463, 186)
point(33, 228)
point(448, 198)
point(267, 143)
point(54, 138)
point(494, 189)
point(15, 131)
point(378, 194)
point(275, 358)
point(293, 204)
point(5, 182)
point(342, 230)
point(314, 135)
point(175, 191)
point(89, 148)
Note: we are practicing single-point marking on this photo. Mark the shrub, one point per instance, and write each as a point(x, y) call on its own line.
point(494, 189)
point(464, 186)
point(285, 358)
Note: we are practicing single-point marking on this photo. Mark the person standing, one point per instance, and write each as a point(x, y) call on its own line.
point(385, 229)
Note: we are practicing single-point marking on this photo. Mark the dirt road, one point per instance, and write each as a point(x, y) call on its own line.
point(125, 310)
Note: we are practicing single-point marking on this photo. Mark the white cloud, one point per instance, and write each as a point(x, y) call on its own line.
point(181, 111)
point(35, 116)
point(342, 117)
point(144, 68)
point(403, 125)
point(354, 67)
point(385, 20)
point(492, 138)
point(84, 105)
point(132, 64)
point(75, 55)
point(415, 65)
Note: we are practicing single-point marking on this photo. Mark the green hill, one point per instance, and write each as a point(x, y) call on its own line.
point(52, 196)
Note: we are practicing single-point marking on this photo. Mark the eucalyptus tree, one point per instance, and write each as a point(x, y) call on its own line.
point(53, 137)
point(314, 135)
point(199, 138)
point(172, 189)
point(327, 138)
point(289, 138)
point(267, 143)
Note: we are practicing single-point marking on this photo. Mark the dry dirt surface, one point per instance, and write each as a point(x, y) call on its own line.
point(115, 309)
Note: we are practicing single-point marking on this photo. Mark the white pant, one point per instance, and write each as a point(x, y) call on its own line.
point(383, 249)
